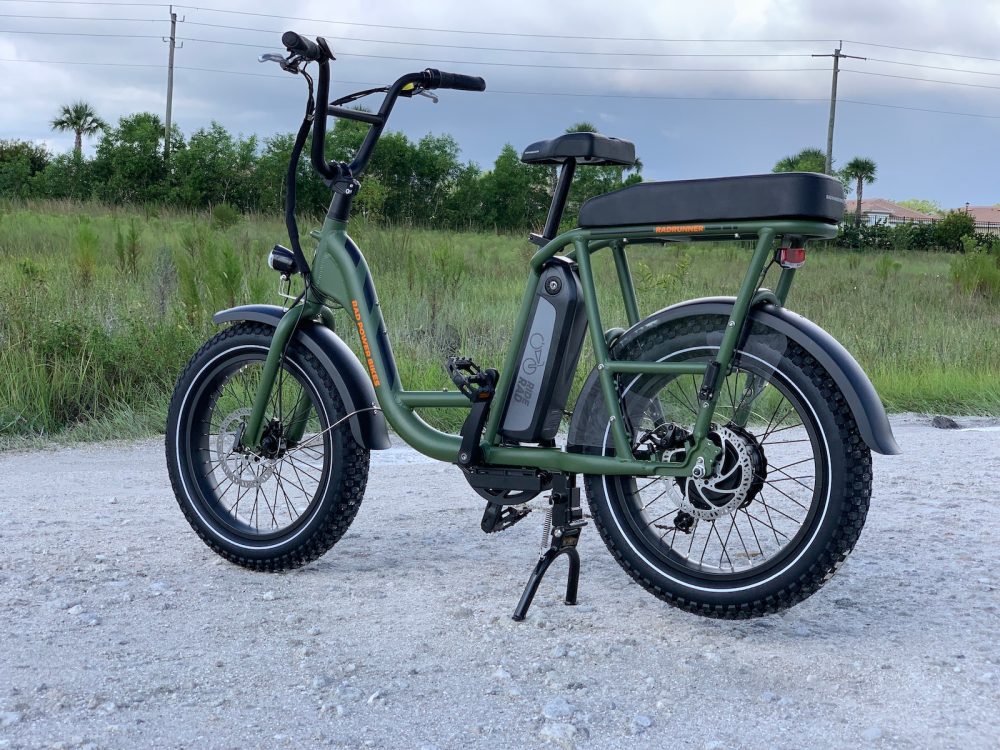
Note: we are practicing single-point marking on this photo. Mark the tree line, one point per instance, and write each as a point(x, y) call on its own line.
point(419, 182)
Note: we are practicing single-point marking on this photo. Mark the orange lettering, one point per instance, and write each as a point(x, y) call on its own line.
point(364, 344)
point(686, 229)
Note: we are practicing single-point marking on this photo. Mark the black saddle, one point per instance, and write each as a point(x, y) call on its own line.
point(788, 195)
point(584, 148)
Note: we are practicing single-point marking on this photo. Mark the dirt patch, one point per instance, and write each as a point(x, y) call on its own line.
point(121, 629)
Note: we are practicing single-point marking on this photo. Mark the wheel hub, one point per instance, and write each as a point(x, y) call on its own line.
point(739, 474)
point(243, 468)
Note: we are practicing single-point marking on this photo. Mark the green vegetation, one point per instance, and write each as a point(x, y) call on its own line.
point(421, 183)
point(100, 308)
point(922, 205)
point(861, 172)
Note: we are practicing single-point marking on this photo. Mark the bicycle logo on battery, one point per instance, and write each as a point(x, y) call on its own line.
point(534, 361)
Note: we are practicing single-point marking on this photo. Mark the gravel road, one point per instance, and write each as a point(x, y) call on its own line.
point(121, 629)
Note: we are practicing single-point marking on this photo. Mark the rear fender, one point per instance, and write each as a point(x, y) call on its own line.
point(852, 381)
point(349, 377)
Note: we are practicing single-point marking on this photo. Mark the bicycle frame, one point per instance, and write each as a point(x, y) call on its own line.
point(341, 274)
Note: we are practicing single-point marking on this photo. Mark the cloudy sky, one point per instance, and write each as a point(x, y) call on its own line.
point(703, 89)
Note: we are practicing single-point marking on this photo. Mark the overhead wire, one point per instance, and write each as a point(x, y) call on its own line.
point(411, 28)
point(518, 50)
point(914, 78)
point(507, 92)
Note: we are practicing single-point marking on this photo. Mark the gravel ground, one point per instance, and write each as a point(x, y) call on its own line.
point(121, 629)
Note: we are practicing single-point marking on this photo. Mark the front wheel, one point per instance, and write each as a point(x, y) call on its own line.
point(788, 496)
point(287, 502)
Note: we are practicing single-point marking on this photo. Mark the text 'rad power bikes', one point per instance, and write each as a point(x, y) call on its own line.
point(725, 443)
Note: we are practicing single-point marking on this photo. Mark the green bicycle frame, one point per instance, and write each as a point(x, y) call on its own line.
point(341, 274)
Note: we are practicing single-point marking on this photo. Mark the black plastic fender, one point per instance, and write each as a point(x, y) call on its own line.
point(843, 368)
point(349, 377)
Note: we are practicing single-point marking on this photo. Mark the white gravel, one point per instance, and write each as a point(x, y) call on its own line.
point(121, 629)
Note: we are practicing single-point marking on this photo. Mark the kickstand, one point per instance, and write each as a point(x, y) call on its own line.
point(567, 521)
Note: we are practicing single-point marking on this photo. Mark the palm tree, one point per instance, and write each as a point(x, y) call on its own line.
point(81, 119)
point(806, 160)
point(862, 170)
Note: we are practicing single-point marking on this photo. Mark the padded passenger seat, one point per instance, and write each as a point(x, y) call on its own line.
point(585, 148)
point(788, 195)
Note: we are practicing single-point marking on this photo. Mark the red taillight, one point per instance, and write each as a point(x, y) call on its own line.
point(792, 257)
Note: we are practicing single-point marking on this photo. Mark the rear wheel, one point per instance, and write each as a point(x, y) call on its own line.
point(286, 503)
point(788, 496)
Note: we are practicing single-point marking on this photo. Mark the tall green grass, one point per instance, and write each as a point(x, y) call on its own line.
point(100, 308)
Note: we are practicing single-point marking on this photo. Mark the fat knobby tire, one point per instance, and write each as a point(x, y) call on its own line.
point(340, 503)
point(850, 489)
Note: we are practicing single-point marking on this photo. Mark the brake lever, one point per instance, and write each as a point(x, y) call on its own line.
point(289, 64)
point(424, 92)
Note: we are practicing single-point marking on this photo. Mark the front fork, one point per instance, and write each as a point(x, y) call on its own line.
point(295, 426)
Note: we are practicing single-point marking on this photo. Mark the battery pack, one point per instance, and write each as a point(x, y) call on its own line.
point(548, 357)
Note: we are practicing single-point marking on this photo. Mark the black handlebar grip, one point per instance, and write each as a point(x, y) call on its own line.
point(441, 80)
point(301, 46)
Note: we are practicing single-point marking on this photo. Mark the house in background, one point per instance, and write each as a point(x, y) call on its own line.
point(882, 211)
point(987, 218)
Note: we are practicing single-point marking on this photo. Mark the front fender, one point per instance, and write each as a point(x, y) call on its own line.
point(349, 377)
point(852, 381)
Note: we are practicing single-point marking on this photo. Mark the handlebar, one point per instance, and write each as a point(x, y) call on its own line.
point(301, 46)
point(319, 51)
point(438, 79)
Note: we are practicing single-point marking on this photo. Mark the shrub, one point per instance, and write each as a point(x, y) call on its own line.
point(224, 216)
point(86, 247)
point(977, 272)
point(885, 267)
point(948, 232)
point(127, 249)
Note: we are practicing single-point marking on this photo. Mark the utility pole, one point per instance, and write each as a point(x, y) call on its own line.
point(170, 80)
point(837, 55)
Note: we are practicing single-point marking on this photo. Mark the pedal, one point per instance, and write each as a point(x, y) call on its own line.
point(499, 517)
point(478, 386)
point(475, 383)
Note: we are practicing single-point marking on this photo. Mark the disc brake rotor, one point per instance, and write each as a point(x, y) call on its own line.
point(736, 479)
point(243, 469)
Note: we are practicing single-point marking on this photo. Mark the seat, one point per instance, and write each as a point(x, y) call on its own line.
point(585, 148)
point(788, 195)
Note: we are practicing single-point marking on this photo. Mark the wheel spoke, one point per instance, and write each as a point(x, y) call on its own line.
point(255, 492)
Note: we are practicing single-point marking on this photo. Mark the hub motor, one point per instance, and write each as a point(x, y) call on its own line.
point(739, 475)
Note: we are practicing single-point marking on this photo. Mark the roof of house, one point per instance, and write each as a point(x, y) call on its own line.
point(883, 206)
point(983, 214)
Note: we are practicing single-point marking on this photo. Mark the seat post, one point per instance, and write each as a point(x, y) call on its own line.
point(559, 199)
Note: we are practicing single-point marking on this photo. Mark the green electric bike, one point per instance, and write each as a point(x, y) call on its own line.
point(724, 443)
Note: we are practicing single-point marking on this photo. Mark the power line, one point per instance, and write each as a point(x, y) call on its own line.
point(934, 67)
point(81, 33)
point(77, 2)
point(923, 51)
point(924, 80)
point(78, 18)
point(517, 49)
point(523, 65)
point(86, 62)
point(505, 92)
point(490, 33)
point(501, 33)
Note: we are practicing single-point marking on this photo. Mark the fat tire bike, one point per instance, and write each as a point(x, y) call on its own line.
point(724, 443)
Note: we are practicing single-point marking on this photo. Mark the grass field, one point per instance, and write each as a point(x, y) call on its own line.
point(100, 308)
